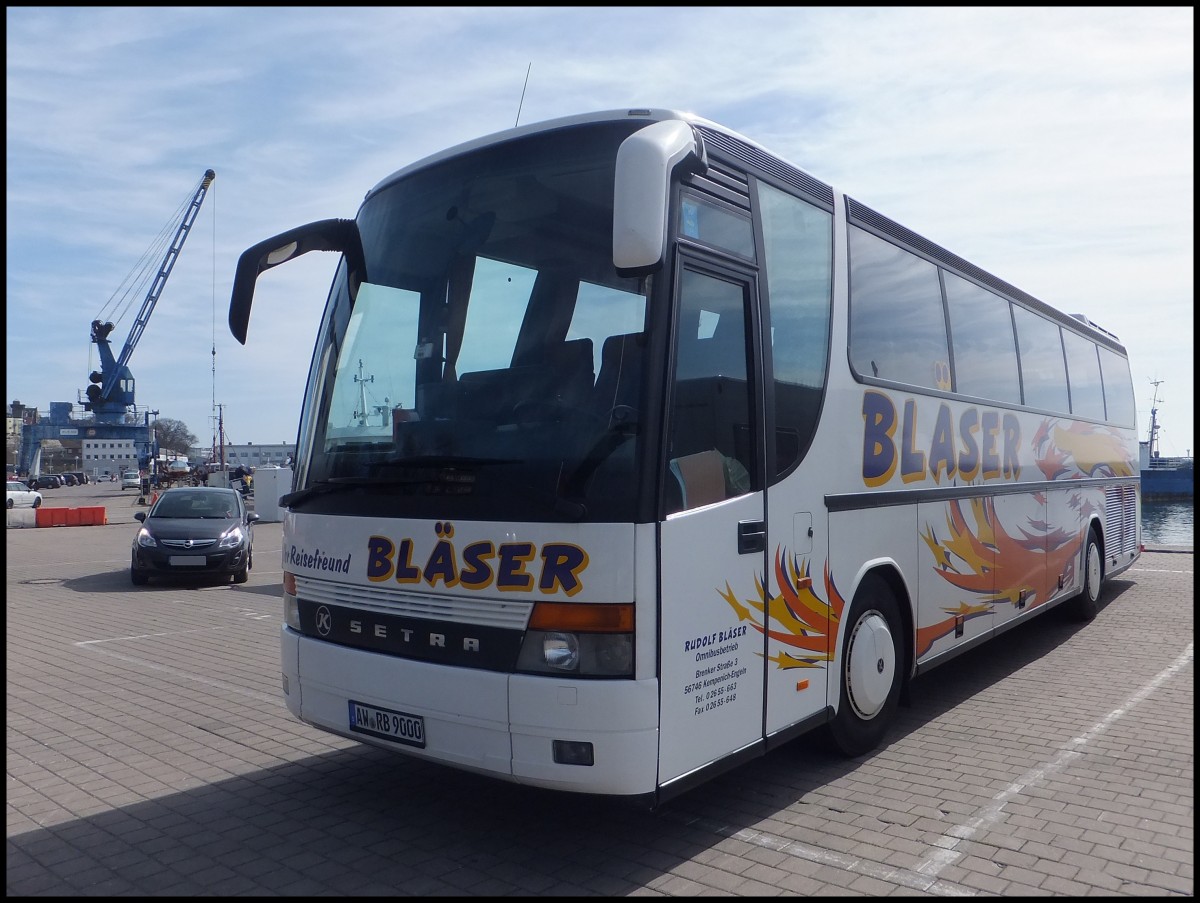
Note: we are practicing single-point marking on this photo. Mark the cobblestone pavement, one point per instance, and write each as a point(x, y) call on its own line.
point(149, 753)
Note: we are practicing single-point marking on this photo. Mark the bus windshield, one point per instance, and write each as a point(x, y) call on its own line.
point(491, 366)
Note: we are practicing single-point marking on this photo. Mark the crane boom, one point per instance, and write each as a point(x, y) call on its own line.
point(107, 404)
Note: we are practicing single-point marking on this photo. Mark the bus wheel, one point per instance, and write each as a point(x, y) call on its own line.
point(872, 669)
point(1085, 606)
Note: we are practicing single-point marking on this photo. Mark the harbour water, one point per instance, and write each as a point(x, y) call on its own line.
point(1168, 521)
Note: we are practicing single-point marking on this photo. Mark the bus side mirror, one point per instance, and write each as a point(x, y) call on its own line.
point(646, 161)
point(325, 235)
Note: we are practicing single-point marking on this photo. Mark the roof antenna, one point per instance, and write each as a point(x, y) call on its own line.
point(523, 87)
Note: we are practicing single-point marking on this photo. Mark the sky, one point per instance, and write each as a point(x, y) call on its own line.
point(1052, 147)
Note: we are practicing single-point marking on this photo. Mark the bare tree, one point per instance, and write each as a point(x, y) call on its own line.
point(173, 435)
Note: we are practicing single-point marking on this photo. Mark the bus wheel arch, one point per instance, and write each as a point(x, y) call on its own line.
point(874, 664)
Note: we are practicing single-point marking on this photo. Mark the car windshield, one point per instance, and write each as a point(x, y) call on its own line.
point(195, 505)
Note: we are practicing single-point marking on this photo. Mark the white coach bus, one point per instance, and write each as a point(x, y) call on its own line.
point(630, 451)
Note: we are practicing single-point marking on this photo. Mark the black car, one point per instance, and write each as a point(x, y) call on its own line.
point(45, 481)
point(194, 532)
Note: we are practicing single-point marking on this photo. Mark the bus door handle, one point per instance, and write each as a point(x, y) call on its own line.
point(752, 536)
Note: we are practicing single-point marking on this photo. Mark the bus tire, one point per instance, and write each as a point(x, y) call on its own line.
point(871, 673)
point(1086, 605)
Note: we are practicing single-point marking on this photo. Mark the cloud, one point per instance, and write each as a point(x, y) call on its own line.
point(1053, 147)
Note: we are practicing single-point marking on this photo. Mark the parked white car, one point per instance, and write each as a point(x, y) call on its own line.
point(21, 496)
point(131, 479)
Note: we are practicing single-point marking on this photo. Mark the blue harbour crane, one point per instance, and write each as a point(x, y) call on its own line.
point(110, 394)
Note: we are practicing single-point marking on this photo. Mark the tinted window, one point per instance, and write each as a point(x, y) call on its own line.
point(897, 326)
point(710, 452)
point(1083, 368)
point(1043, 373)
point(1118, 388)
point(716, 225)
point(798, 239)
point(985, 352)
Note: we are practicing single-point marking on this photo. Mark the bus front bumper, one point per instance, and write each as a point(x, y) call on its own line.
point(502, 725)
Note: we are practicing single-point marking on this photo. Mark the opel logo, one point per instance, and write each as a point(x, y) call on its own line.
point(324, 621)
point(187, 543)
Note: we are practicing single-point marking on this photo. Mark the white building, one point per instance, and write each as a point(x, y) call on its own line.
point(248, 455)
point(104, 456)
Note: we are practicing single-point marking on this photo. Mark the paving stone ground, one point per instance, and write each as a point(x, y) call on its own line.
point(149, 753)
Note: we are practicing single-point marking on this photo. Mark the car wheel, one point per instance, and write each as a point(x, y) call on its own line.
point(137, 577)
point(10, 504)
point(37, 503)
point(242, 576)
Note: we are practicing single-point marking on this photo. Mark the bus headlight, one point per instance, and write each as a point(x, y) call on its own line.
point(579, 638)
point(560, 650)
point(581, 654)
point(291, 605)
point(291, 612)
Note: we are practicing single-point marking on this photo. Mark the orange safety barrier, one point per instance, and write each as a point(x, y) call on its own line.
point(51, 517)
point(92, 516)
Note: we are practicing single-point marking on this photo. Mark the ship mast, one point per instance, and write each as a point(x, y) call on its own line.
point(1154, 420)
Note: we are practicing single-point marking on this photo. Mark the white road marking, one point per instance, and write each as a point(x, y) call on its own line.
point(97, 646)
point(946, 852)
point(924, 875)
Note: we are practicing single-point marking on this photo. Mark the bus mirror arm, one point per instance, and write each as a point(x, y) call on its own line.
point(324, 235)
point(646, 163)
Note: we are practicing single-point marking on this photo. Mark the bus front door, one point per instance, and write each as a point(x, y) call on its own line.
point(712, 541)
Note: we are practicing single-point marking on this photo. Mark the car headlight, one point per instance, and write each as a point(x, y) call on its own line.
point(232, 539)
point(146, 539)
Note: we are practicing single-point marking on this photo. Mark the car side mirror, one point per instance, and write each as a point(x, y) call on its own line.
point(251, 517)
point(139, 515)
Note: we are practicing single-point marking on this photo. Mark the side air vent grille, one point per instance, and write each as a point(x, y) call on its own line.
point(1120, 521)
point(723, 183)
point(755, 158)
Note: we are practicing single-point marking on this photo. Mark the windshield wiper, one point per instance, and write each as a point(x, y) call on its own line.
point(322, 487)
point(445, 461)
point(431, 469)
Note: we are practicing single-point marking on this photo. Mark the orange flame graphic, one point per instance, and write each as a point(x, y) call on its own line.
point(798, 616)
point(1026, 566)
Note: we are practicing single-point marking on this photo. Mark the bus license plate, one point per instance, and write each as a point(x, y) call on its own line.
point(395, 726)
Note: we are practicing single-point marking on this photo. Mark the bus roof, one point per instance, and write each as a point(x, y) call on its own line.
point(856, 209)
point(647, 114)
